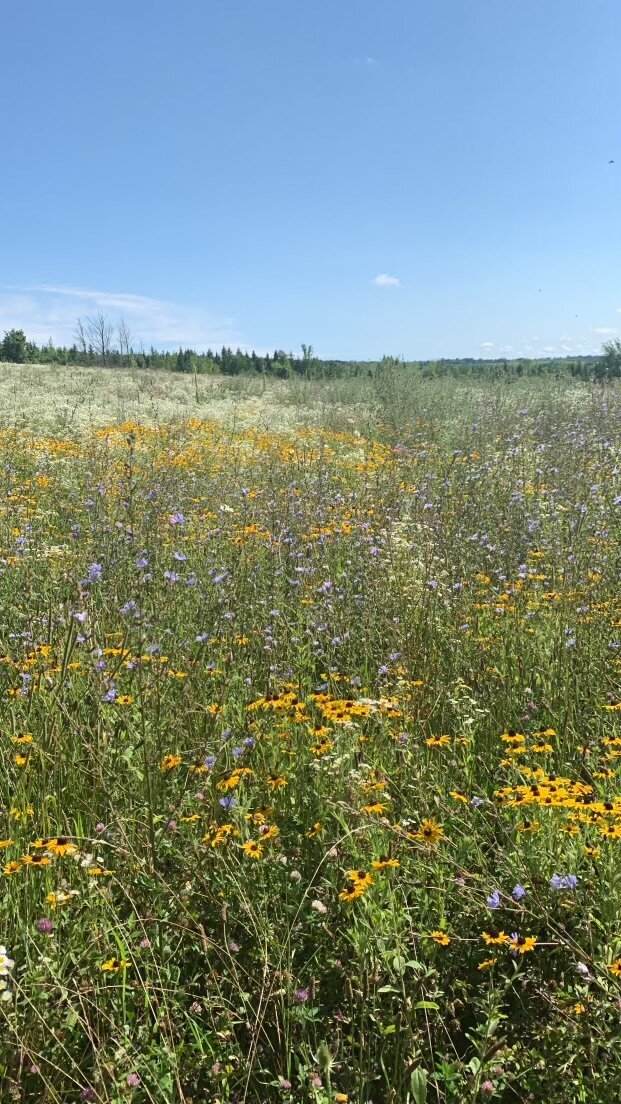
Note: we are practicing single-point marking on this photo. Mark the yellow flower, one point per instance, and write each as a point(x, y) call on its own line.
point(615, 967)
point(316, 830)
point(384, 862)
point(351, 893)
point(360, 878)
point(60, 897)
point(5, 843)
point(115, 965)
point(457, 796)
point(276, 781)
point(441, 938)
point(36, 860)
point(495, 938)
point(253, 849)
point(523, 943)
point(487, 963)
point(12, 867)
point(374, 810)
point(61, 846)
point(438, 741)
point(169, 762)
point(124, 699)
point(429, 832)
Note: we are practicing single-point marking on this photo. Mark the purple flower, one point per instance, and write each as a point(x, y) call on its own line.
point(110, 694)
point(476, 802)
point(227, 802)
point(45, 926)
point(209, 761)
point(95, 572)
point(201, 638)
point(142, 562)
point(177, 518)
point(88, 1094)
point(301, 996)
point(518, 892)
point(493, 901)
point(563, 881)
point(172, 576)
point(133, 1080)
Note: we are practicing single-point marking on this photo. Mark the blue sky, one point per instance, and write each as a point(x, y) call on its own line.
point(370, 176)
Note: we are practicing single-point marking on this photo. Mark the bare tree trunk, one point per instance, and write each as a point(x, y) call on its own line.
point(79, 336)
point(99, 330)
point(124, 341)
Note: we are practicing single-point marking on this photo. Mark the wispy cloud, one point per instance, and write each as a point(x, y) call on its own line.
point(384, 280)
point(487, 344)
point(605, 331)
point(51, 310)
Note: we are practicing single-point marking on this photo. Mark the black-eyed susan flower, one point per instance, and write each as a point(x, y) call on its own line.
point(457, 796)
point(61, 846)
point(36, 860)
point(615, 967)
point(384, 863)
point(429, 833)
point(522, 944)
point(276, 781)
point(441, 938)
point(12, 867)
point(169, 762)
point(252, 849)
point(495, 938)
point(115, 965)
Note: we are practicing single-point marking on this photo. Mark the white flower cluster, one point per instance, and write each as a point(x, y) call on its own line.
point(6, 964)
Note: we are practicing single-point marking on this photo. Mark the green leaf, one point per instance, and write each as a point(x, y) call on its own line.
point(430, 1005)
point(418, 1084)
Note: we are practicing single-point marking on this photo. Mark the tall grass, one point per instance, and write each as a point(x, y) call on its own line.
point(310, 740)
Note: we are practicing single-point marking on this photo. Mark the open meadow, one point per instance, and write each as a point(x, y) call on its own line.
point(311, 738)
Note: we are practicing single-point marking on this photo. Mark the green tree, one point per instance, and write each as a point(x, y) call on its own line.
point(610, 365)
point(14, 347)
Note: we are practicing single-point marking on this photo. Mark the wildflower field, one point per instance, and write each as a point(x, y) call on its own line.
point(310, 753)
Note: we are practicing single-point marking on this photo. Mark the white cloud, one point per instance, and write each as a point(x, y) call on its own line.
point(548, 348)
point(605, 331)
point(51, 310)
point(384, 280)
point(487, 344)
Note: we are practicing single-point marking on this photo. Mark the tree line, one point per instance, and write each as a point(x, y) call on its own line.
point(100, 343)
